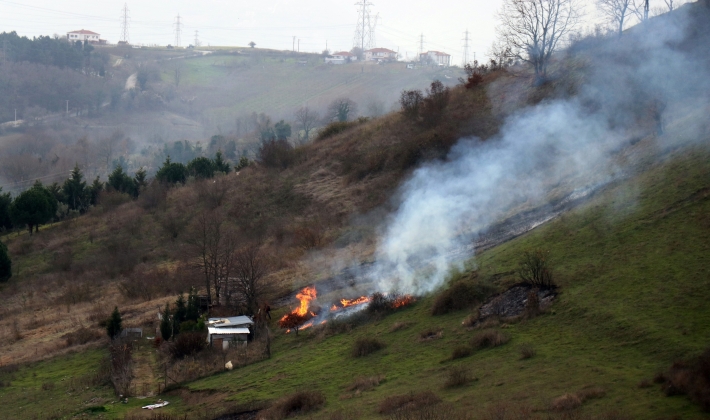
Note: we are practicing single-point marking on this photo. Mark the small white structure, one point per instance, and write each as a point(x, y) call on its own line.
point(223, 331)
point(342, 57)
point(380, 54)
point(84, 35)
point(436, 57)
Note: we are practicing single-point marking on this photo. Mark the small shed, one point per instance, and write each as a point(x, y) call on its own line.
point(223, 331)
point(224, 337)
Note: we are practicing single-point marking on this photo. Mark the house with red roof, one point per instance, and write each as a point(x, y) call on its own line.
point(84, 35)
point(342, 57)
point(380, 54)
point(436, 57)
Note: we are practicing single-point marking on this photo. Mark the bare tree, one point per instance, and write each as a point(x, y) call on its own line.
point(535, 29)
point(342, 109)
point(307, 119)
point(177, 73)
point(212, 245)
point(251, 268)
point(616, 12)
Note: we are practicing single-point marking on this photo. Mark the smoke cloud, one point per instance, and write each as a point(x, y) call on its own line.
point(551, 150)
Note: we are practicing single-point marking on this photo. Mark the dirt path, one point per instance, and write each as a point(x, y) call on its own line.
point(145, 382)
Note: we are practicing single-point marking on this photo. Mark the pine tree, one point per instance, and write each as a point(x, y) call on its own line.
point(193, 306)
point(113, 327)
point(180, 314)
point(75, 191)
point(166, 326)
point(220, 165)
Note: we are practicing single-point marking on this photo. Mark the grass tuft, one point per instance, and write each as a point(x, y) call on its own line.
point(489, 338)
point(366, 346)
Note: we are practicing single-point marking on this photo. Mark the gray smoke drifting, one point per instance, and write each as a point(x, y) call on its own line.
point(551, 150)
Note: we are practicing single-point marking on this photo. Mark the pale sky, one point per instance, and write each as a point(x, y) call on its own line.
point(270, 23)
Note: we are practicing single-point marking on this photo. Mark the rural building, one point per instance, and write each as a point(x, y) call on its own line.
point(223, 331)
point(342, 57)
point(436, 57)
point(84, 35)
point(380, 54)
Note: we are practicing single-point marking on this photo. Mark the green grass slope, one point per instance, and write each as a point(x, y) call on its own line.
point(634, 268)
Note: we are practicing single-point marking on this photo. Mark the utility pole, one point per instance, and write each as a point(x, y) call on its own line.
point(465, 48)
point(124, 23)
point(67, 108)
point(363, 28)
point(294, 44)
point(645, 10)
point(178, 30)
point(299, 45)
point(421, 46)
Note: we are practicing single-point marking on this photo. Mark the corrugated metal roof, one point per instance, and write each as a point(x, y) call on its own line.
point(230, 322)
point(227, 331)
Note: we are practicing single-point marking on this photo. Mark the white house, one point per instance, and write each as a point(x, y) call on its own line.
point(223, 331)
point(436, 57)
point(342, 57)
point(380, 54)
point(84, 35)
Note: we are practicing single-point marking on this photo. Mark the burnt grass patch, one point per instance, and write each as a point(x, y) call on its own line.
point(514, 302)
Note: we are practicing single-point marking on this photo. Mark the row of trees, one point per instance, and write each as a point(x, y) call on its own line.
point(200, 168)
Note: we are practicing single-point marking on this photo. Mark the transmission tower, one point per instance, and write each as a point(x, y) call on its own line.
point(373, 28)
point(124, 23)
point(363, 28)
point(197, 39)
point(465, 48)
point(178, 30)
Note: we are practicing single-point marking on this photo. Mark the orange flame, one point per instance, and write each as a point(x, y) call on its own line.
point(306, 296)
point(402, 301)
point(358, 301)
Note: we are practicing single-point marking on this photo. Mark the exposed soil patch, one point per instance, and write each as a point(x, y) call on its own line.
point(512, 302)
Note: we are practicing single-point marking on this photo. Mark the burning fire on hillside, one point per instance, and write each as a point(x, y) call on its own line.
point(306, 315)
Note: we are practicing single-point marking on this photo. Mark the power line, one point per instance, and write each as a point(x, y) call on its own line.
point(124, 24)
point(178, 30)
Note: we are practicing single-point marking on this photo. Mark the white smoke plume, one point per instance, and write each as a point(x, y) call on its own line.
point(555, 148)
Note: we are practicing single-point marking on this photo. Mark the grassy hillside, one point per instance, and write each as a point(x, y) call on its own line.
point(647, 237)
point(631, 261)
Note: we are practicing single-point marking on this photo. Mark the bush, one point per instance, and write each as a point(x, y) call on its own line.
point(457, 376)
point(366, 346)
point(408, 402)
point(188, 344)
point(298, 403)
point(433, 106)
point(431, 334)
point(276, 153)
point(488, 338)
point(534, 269)
point(460, 352)
point(399, 325)
point(334, 129)
point(532, 305)
point(691, 378)
point(460, 296)
point(81, 336)
point(527, 351)
point(411, 102)
point(566, 402)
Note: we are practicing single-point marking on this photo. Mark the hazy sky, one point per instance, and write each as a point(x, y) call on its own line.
point(270, 23)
